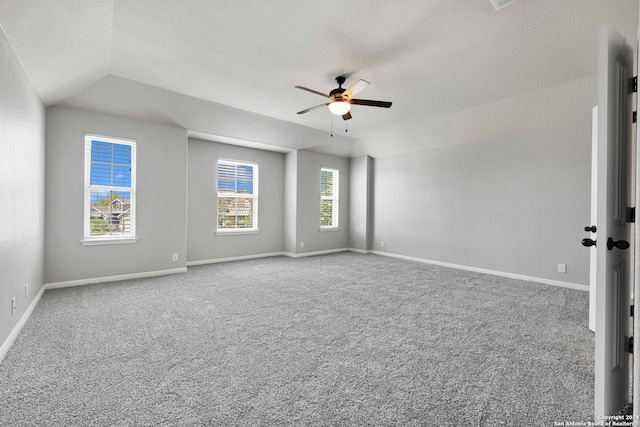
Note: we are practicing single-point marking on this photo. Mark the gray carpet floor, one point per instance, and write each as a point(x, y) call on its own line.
point(335, 340)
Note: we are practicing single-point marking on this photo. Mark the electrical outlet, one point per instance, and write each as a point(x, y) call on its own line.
point(174, 257)
point(26, 291)
point(562, 268)
point(302, 244)
point(14, 306)
point(382, 243)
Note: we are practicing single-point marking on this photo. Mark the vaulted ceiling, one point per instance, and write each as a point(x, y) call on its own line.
point(430, 57)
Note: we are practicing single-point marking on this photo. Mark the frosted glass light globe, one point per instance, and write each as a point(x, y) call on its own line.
point(339, 108)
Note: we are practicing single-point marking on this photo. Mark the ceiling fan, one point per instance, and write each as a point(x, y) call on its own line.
point(341, 99)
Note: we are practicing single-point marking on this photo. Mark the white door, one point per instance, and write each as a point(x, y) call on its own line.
point(594, 218)
point(614, 267)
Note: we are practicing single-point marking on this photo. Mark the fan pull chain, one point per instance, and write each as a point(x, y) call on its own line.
point(332, 126)
point(345, 126)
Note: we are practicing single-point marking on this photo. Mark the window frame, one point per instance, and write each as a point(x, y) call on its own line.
point(254, 196)
point(131, 236)
point(334, 197)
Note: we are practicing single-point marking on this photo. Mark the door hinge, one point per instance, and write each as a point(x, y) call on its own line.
point(628, 344)
point(635, 116)
point(630, 214)
point(633, 84)
point(631, 310)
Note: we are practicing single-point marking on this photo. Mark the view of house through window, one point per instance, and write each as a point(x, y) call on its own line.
point(237, 195)
point(328, 198)
point(109, 187)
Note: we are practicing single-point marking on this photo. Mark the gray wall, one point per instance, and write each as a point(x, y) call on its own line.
point(22, 151)
point(290, 202)
point(515, 204)
point(360, 203)
point(161, 198)
point(202, 242)
point(308, 203)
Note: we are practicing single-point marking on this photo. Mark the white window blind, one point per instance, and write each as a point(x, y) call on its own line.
point(110, 194)
point(237, 184)
point(329, 200)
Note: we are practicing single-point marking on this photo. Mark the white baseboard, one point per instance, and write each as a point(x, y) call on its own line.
point(235, 258)
point(93, 280)
point(562, 284)
point(272, 254)
point(360, 251)
point(16, 330)
point(306, 254)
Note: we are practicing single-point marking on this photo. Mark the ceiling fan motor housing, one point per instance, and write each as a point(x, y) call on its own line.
point(336, 94)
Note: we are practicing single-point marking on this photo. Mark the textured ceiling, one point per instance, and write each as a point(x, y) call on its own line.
point(430, 57)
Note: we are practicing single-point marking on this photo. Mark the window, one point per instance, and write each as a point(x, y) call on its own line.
point(110, 190)
point(237, 196)
point(329, 184)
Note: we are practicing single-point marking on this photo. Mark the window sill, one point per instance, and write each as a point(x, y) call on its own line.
point(110, 241)
point(232, 232)
point(323, 229)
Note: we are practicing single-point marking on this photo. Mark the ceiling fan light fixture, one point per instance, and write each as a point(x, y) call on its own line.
point(339, 108)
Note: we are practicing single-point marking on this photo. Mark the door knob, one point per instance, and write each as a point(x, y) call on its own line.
point(588, 242)
point(620, 244)
point(591, 228)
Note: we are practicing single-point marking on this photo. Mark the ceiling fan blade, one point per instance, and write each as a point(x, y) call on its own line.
point(313, 108)
point(346, 116)
point(371, 103)
point(499, 4)
point(312, 91)
point(355, 88)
